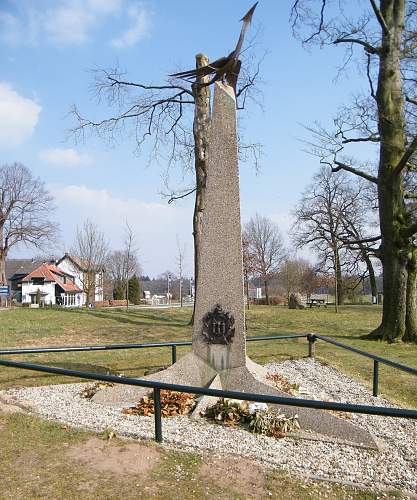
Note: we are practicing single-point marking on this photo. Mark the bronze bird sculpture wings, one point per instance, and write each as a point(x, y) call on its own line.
point(225, 67)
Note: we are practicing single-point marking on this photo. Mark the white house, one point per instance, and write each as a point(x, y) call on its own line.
point(73, 266)
point(49, 285)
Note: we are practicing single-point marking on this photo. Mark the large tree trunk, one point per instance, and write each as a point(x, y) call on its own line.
point(3, 279)
point(411, 310)
point(372, 278)
point(339, 288)
point(266, 292)
point(398, 253)
point(201, 128)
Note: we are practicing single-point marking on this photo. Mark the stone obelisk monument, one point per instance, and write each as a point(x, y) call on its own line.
point(219, 320)
point(218, 358)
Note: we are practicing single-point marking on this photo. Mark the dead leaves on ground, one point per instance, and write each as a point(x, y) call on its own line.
point(173, 404)
point(282, 383)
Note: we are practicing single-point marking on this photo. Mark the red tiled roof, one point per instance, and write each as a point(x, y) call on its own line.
point(42, 271)
point(50, 272)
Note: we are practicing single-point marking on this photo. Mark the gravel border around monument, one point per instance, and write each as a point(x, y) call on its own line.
point(394, 466)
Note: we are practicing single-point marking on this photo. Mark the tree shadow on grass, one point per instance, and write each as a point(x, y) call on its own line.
point(21, 376)
point(151, 320)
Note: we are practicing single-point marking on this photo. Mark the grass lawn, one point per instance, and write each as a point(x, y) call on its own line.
point(56, 327)
point(40, 459)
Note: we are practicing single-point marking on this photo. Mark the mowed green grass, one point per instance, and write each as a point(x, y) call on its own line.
point(55, 327)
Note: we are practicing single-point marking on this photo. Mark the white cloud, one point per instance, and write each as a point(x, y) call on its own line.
point(63, 157)
point(71, 22)
point(18, 116)
point(138, 29)
point(155, 225)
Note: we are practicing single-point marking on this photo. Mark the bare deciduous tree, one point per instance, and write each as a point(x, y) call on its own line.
point(248, 264)
point(296, 275)
point(266, 244)
point(90, 251)
point(25, 210)
point(129, 259)
point(180, 267)
point(329, 212)
point(385, 33)
point(175, 116)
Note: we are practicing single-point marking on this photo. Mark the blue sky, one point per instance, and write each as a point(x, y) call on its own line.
point(48, 50)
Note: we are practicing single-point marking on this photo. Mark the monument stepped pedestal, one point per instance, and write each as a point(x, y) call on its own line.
point(218, 358)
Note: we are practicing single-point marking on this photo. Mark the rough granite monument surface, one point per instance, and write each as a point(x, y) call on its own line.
point(218, 357)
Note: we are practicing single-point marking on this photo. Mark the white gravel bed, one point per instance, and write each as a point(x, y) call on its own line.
point(394, 467)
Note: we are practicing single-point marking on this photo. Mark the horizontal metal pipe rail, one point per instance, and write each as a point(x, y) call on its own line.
point(380, 359)
point(108, 347)
point(311, 337)
point(263, 398)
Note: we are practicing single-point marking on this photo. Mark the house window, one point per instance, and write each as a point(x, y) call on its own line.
point(38, 281)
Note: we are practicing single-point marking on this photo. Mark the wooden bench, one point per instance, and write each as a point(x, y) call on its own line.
point(316, 303)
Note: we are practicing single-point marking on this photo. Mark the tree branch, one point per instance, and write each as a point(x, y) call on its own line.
point(410, 230)
point(406, 156)
point(368, 74)
point(367, 46)
point(380, 17)
point(411, 100)
point(179, 197)
point(321, 24)
point(363, 240)
point(348, 168)
point(115, 81)
point(371, 138)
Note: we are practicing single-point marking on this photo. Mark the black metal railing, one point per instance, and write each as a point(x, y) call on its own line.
point(109, 347)
point(312, 337)
point(158, 386)
point(245, 396)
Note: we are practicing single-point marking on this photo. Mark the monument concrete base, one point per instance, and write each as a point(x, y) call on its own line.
point(194, 371)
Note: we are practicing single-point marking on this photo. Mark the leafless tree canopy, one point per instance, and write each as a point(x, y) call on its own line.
point(118, 266)
point(25, 210)
point(264, 242)
point(90, 250)
point(332, 219)
point(162, 114)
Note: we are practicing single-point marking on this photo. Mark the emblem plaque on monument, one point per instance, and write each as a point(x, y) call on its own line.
point(218, 326)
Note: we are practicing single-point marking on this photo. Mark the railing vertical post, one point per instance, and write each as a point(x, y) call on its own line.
point(174, 354)
point(158, 417)
point(376, 378)
point(311, 345)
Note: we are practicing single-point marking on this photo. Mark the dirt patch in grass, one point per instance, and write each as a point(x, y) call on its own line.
point(118, 458)
point(236, 473)
point(9, 406)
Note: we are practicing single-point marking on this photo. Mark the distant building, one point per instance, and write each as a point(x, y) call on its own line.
point(255, 293)
point(75, 267)
point(16, 270)
point(48, 285)
point(52, 283)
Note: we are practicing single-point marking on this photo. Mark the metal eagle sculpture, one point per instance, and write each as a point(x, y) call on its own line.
point(226, 68)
